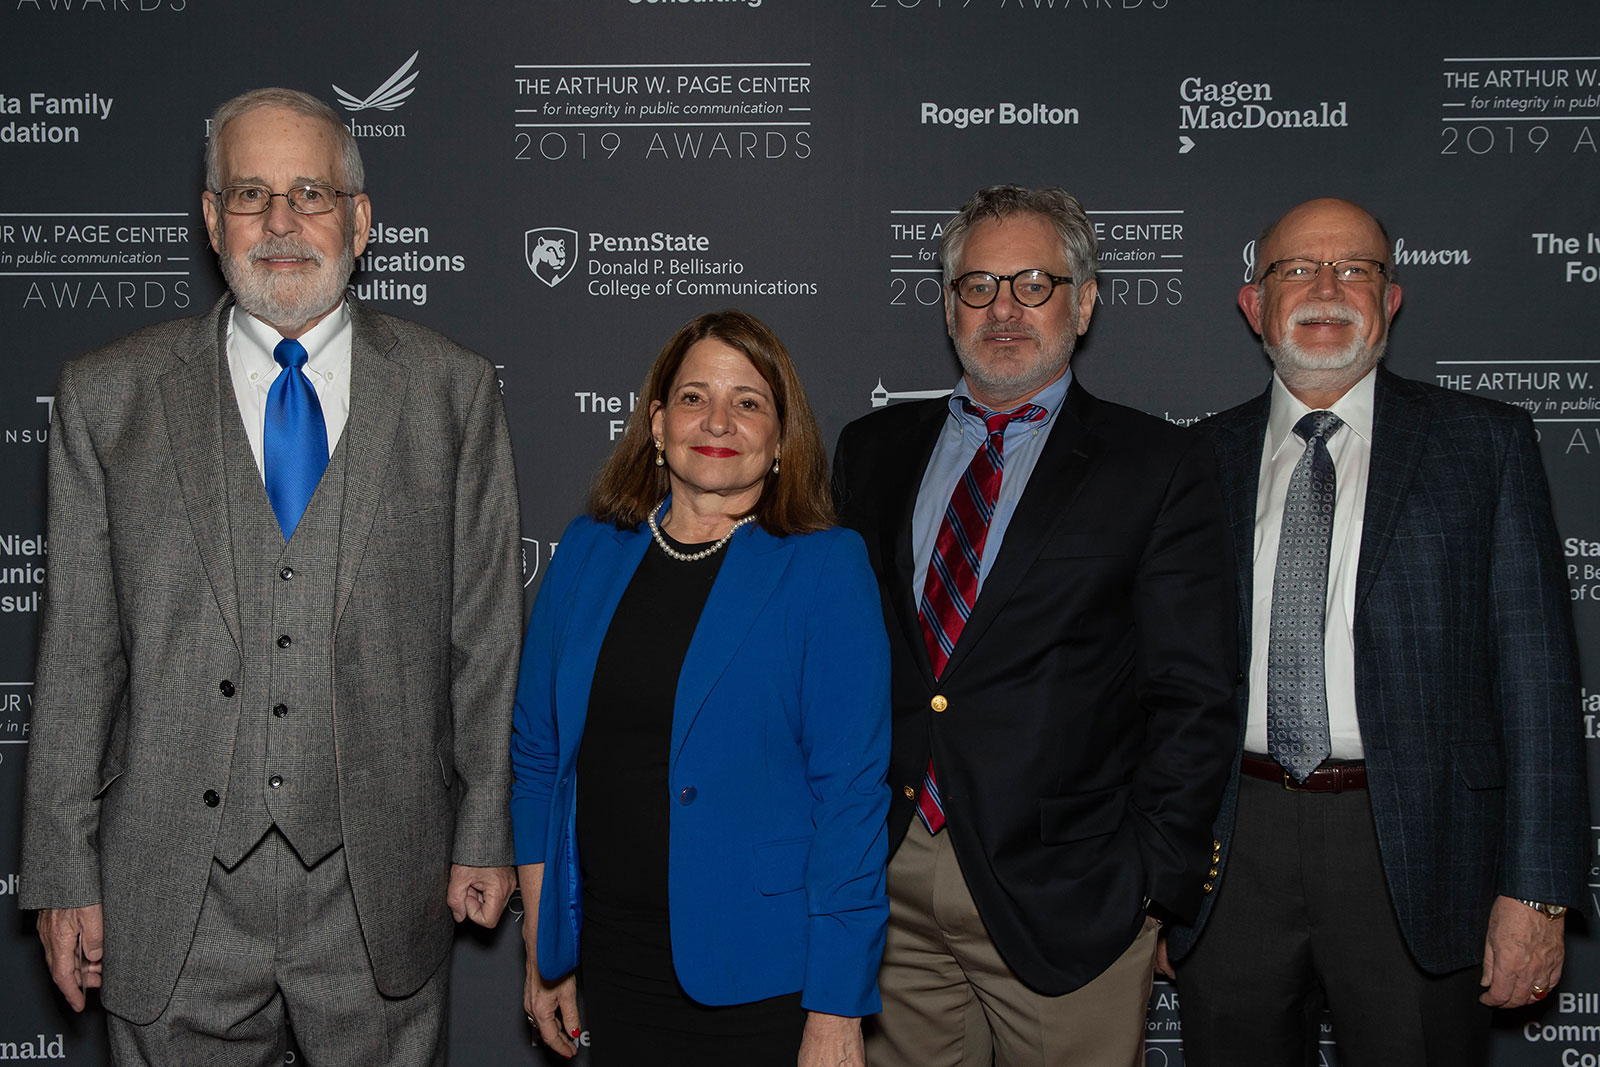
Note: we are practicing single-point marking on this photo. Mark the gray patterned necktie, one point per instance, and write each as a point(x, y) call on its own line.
point(1297, 695)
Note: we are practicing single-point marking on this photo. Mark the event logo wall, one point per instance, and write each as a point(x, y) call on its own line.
point(1209, 105)
point(1583, 574)
point(21, 578)
point(71, 260)
point(97, 261)
point(657, 264)
point(600, 112)
point(1560, 389)
point(27, 424)
point(16, 720)
point(1520, 106)
point(398, 261)
point(392, 93)
point(33, 118)
point(1022, 7)
point(388, 96)
point(551, 253)
point(535, 554)
point(37, 1047)
point(101, 7)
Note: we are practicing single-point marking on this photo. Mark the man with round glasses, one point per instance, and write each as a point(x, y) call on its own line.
point(1406, 828)
point(1055, 583)
point(278, 647)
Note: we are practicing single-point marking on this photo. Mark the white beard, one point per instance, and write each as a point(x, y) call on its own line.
point(1295, 363)
point(285, 301)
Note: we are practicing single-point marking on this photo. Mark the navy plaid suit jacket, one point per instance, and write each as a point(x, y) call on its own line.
point(1466, 668)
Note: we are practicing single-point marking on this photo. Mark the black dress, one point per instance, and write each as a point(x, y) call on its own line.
point(633, 1007)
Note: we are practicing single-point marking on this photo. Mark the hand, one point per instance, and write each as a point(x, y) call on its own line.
point(1524, 949)
point(831, 1041)
point(74, 942)
point(545, 1001)
point(479, 893)
point(1163, 964)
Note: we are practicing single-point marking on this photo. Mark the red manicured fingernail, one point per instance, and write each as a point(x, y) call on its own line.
point(576, 1032)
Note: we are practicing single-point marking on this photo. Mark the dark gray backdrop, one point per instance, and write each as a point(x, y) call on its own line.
point(795, 158)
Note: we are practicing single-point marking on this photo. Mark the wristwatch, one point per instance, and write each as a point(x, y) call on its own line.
point(1549, 911)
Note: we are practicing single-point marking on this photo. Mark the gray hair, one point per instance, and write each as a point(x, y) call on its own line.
point(352, 175)
point(1055, 206)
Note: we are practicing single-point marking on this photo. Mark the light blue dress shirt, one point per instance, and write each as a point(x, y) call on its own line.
point(952, 454)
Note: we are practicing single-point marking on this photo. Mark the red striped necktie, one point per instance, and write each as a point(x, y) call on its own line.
point(951, 587)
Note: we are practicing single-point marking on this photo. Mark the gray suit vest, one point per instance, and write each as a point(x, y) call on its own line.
point(284, 763)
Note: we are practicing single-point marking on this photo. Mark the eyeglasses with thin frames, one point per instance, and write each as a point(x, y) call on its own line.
point(311, 199)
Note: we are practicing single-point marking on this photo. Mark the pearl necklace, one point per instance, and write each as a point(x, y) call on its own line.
point(691, 557)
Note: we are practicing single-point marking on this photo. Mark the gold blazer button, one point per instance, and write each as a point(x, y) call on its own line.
point(938, 703)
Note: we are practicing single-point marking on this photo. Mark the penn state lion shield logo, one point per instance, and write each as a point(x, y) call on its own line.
point(551, 252)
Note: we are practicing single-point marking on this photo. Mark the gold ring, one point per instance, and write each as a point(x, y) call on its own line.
point(1540, 992)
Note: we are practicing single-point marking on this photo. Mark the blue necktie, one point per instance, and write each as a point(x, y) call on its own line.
point(295, 443)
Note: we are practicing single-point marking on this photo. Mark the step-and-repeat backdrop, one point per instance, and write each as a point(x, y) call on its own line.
point(561, 183)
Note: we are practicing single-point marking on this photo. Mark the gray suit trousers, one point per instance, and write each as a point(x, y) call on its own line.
point(278, 940)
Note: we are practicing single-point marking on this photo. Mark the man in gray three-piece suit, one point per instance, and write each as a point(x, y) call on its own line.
point(279, 644)
point(1406, 826)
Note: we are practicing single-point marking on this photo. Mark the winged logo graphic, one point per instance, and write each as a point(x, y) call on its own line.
point(388, 96)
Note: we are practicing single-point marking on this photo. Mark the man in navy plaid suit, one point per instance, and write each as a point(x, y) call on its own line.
point(1418, 875)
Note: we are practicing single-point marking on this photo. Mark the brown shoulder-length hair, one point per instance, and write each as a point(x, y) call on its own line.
point(796, 500)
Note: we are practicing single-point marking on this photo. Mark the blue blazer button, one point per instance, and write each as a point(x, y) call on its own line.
point(688, 795)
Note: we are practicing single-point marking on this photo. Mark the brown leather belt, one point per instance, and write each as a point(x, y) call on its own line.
point(1332, 776)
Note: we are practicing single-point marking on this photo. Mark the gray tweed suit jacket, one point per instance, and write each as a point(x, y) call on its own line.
point(132, 726)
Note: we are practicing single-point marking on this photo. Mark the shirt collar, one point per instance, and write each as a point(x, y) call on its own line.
point(1049, 398)
point(1354, 410)
point(327, 344)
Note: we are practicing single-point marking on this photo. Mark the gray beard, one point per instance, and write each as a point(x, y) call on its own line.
point(1023, 384)
point(286, 303)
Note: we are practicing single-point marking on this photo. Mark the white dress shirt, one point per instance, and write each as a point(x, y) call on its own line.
point(1351, 451)
point(253, 370)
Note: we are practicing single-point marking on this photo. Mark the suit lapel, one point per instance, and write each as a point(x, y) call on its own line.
point(756, 561)
point(896, 520)
point(1238, 449)
point(1070, 453)
point(1399, 435)
point(377, 397)
point(195, 402)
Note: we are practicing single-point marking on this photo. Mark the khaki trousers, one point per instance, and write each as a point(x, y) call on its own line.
point(949, 1000)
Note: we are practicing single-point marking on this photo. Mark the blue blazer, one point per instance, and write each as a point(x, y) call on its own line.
point(1466, 667)
point(776, 774)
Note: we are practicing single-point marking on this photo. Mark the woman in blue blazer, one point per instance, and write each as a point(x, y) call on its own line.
point(702, 734)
